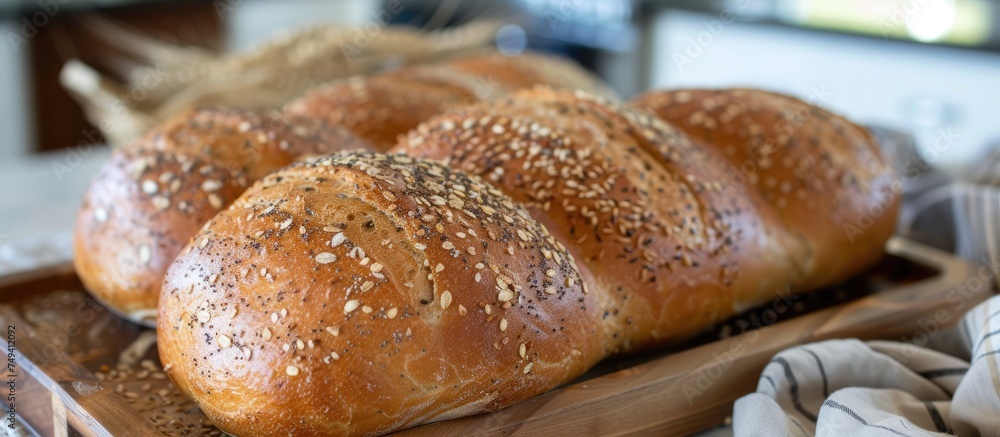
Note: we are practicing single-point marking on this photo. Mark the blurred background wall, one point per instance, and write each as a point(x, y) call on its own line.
point(929, 67)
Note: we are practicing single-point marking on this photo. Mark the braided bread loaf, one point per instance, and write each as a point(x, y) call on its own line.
point(362, 294)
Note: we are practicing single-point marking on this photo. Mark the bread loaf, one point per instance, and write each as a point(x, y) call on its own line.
point(362, 294)
point(651, 216)
point(147, 202)
point(381, 107)
point(824, 176)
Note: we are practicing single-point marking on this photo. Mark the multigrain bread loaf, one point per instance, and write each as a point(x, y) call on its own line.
point(824, 176)
point(362, 294)
point(649, 213)
point(147, 202)
point(381, 107)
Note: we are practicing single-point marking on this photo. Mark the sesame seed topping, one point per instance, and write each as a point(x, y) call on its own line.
point(292, 370)
point(376, 267)
point(550, 290)
point(300, 344)
point(523, 350)
point(550, 273)
point(204, 316)
point(266, 333)
point(285, 224)
point(439, 268)
point(367, 286)
point(391, 313)
point(215, 201)
point(326, 258)
point(274, 317)
point(211, 185)
point(335, 356)
point(505, 296)
point(351, 305)
point(203, 243)
point(503, 324)
point(445, 299)
point(284, 312)
point(528, 368)
point(333, 330)
point(366, 309)
point(149, 186)
point(161, 203)
point(224, 342)
point(461, 310)
point(144, 254)
point(337, 239)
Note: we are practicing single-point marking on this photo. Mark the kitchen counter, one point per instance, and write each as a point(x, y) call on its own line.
point(39, 198)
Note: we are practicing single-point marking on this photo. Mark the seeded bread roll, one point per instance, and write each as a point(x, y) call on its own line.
point(149, 200)
point(138, 213)
point(824, 176)
point(672, 248)
point(382, 107)
point(362, 294)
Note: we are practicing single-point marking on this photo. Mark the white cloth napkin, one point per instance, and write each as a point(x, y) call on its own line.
point(880, 388)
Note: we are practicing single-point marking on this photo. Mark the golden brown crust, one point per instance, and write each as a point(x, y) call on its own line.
point(256, 142)
point(150, 199)
point(137, 215)
point(361, 294)
point(382, 107)
point(671, 249)
point(823, 175)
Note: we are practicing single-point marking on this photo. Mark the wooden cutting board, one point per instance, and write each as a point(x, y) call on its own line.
point(681, 390)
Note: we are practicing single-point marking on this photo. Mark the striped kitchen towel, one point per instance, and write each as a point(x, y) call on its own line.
point(976, 208)
point(881, 388)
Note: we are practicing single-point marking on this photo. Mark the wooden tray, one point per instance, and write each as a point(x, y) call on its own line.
point(70, 380)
